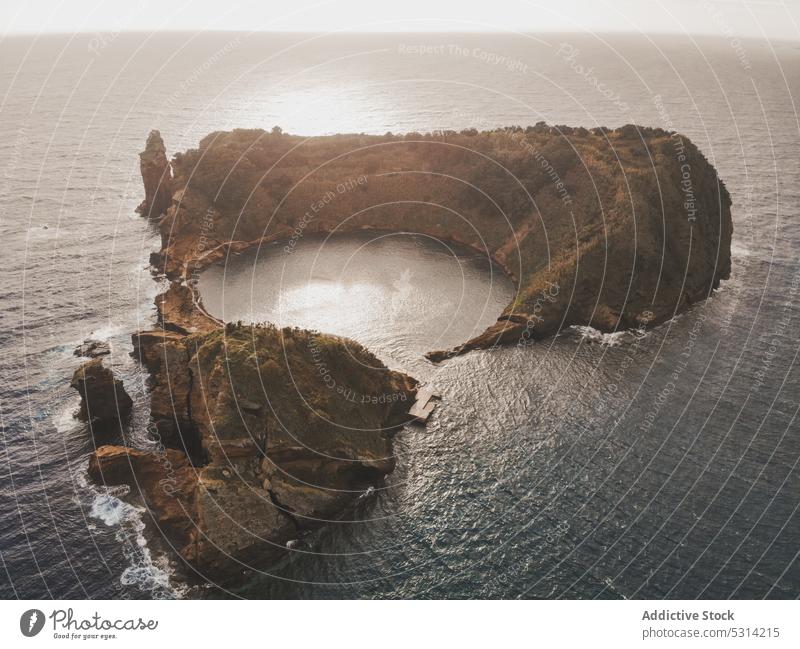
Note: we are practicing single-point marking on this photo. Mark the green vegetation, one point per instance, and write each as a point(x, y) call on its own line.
point(290, 386)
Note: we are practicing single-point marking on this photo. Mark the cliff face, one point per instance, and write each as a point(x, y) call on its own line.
point(604, 228)
point(268, 433)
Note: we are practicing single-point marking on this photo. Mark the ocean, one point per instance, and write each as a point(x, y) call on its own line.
point(662, 465)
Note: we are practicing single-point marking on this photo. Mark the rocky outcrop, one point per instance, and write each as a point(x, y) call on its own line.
point(215, 522)
point(103, 398)
point(508, 330)
point(157, 177)
point(166, 357)
point(268, 432)
point(165, 482)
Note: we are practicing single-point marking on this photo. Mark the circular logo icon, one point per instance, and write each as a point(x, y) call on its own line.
point(31, 622)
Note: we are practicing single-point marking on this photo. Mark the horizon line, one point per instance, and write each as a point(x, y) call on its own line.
point(493, 32)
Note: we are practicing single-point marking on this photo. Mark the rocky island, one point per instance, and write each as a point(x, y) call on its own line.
point(258, 447)
point(598, 227)
point(268, 432)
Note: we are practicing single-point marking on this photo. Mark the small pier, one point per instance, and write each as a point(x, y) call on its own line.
point(423, 407)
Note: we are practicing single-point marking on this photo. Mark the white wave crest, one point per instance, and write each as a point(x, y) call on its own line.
point(593, 335)
point(144, 572)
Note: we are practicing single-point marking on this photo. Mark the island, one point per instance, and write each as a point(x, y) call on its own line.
point(265, 433)
point(258, 446)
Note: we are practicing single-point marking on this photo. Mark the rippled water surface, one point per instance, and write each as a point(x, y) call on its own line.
point(665, 466)
point(401, 295)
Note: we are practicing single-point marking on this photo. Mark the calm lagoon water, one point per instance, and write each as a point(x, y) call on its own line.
point(400, 295)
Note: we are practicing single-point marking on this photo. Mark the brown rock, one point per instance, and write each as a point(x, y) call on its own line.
point(505, 331)
point(156, 175)
point(241, 524)
point(179, 310)
point(214, 517)
point(167, 483)
point(617, 220)
point(166, 357)
point(103, 398)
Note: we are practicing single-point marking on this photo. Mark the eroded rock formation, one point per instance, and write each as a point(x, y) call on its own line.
point(103, 398)
point(269, 431)
point(156, 175)
point(166, 483)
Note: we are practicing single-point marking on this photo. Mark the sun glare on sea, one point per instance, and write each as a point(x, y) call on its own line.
point(337, 306)
point(323, 111)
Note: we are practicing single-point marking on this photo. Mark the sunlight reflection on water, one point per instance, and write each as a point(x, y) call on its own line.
point(399, 295)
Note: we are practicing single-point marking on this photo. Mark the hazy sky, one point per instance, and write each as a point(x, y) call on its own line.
point(754, 18)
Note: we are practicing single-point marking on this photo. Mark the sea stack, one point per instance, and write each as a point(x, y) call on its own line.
point(103, 399)
point(156, 175)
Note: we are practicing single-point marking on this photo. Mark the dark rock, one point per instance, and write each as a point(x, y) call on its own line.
point(571, 205)
point(103, 398)
point(157, 177)
point(166, 482)
point(93, 348)
point(234, 404)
